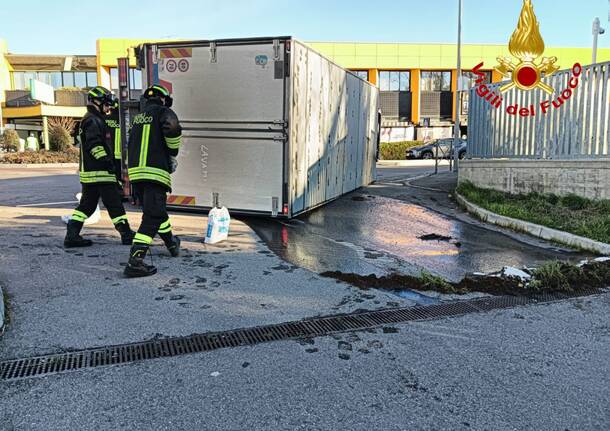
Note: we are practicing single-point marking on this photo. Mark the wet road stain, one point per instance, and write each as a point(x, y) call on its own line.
point(374, 236)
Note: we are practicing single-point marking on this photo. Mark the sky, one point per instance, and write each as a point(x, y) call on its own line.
point(72, 27)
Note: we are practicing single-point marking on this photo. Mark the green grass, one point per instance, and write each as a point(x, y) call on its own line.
point(396, 150)
point(434, 282)
point(571, 213)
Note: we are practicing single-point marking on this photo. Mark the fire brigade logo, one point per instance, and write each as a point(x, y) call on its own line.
point(527, 46)
point(526, 73)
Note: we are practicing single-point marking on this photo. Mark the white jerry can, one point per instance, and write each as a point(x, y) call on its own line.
point(93, 219)
point(219, 221)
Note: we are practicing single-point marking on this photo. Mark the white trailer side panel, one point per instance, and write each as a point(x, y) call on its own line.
point(299, 130)
point(333, 139)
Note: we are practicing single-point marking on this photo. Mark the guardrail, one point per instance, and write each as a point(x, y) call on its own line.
point(572, 123)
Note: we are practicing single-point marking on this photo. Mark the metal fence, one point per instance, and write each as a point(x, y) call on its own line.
point(579, 128)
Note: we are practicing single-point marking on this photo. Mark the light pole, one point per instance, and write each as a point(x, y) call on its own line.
point(597, 30)
point(456, 128)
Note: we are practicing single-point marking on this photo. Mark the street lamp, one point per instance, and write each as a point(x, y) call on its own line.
point(456, 127)
point(597, 30)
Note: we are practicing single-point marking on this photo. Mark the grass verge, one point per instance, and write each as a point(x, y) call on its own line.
point(570, 213)
point(551, 277)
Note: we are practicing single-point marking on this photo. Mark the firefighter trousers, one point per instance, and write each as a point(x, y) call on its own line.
point(155, 219)
point(110, 197)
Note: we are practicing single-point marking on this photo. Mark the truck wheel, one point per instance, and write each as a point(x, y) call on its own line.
point(427, 155)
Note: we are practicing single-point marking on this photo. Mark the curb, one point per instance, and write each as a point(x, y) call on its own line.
point(407, 163)
point(432, 189)
point(37, 165)
point(534, 229)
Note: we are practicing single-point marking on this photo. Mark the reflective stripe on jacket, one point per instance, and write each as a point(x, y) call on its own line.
point(113, 124)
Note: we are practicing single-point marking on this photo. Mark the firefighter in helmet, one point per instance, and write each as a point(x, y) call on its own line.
point(97, 172)
point(154, 142)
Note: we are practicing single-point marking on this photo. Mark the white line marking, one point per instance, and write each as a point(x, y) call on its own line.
point(47, 204)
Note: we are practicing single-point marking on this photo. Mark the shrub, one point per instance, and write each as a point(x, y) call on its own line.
point(60, 130)
point(9, 141)
point(31, 157)
point(59, 139)
point(396, 150)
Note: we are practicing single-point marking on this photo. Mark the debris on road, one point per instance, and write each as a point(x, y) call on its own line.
point(509, 271)
point(551, 277)
point(434, 237)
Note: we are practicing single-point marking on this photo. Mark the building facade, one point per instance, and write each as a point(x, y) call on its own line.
point(417, 82)
point(38, 87)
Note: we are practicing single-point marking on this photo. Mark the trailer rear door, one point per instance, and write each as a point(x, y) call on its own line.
point(230, 98)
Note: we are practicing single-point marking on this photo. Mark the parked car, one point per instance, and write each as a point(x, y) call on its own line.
point(429, 151)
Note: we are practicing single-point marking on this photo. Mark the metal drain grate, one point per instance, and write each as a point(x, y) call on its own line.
point(121, 354)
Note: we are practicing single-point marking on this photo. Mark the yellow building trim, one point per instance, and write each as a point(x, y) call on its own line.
point(5, 71)
point(436, 56)
point(415, 77)
point(43, 111)
point(373, 74)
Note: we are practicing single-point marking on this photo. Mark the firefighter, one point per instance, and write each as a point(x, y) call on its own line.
point(154, 142)
point(97, 172)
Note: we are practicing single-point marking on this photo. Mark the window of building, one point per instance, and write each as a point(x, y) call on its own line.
point(469, 79)
point(18, 81)
point(80, 79)
point(68, 79)
point(21, 80)
point(135, 79)
point(56, 81)
point(114, 78)
point(435, 81)
point(27, 77)
point(91, 79)
point(394, 80)
point(44, 77)
point(364, 74)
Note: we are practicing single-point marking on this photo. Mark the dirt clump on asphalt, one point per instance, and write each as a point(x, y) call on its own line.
point(550, 277)
point(434, 237)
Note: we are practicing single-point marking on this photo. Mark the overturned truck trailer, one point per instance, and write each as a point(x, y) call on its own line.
point(270, 126)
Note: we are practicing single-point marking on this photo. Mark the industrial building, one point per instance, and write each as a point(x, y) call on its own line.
point(417, 81)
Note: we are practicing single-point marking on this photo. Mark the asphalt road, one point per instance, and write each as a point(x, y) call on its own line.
point(538, 367)
point(535, 368)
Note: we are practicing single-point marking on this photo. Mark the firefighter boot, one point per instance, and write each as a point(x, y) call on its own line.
point(172, 243)
point(136, 266)
point(126, 233)
point(73, 238)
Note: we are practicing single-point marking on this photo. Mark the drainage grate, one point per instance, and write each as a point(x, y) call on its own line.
point(121, 354)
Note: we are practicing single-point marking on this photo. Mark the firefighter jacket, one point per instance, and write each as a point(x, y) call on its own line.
point(155, 136)
point(96, 164)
